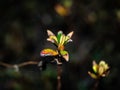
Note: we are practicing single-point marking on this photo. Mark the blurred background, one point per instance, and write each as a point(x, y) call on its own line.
point(23, 26)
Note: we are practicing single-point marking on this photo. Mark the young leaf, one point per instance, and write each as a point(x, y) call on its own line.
point(50, 33)
point(59, 36)
point(93, 75)
point(65, 55)
point(52, 38)
point(48, 52)
point(95, 67)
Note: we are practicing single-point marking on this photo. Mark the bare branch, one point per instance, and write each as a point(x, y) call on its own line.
point(28, 63)
point(6, 65)
point(19, 65)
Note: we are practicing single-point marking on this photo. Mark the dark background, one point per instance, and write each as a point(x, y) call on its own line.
point(23, 26)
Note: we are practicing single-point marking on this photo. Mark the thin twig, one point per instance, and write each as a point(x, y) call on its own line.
point(19, 65)
point(6, 65)
point(28, 63)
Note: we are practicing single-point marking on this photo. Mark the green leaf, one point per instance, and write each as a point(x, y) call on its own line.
point(59, 36)
point(62, 39)
point(65, 55)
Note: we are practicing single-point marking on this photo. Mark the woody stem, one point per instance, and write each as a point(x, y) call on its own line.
point(96, 85)
point(59, 72)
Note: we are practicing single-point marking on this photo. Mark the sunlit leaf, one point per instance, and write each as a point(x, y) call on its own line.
point(48, 52)
point(93, 75)
point(62, 39)
point(52, 38)
point(100, 70)
point(68, 37)
point(95, 67)
point(59, 36)
point(50, 33)
point(70, 34)
point(65, 55)
point(104, 65)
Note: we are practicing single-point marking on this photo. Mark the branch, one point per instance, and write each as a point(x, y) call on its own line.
point(19, 65)
point(6, 65)
point(28, 63)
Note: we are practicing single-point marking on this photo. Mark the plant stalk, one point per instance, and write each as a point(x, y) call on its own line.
point(96, 85)
point(59, 72)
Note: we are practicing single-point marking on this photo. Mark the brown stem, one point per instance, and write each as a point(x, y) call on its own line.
point(59, 72)
point(96, 85)
point(27, 63)
point(6, 65)
point(19, 65)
